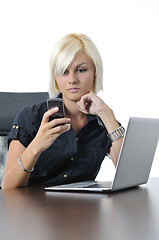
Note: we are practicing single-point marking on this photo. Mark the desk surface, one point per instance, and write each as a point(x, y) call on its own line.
point(32, 213)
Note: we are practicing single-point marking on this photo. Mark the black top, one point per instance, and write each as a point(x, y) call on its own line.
point(70, 158)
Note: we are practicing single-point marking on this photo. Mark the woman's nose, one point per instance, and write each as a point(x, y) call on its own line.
point(72, 78)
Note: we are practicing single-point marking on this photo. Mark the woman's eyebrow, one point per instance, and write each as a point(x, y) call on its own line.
point(82, 64)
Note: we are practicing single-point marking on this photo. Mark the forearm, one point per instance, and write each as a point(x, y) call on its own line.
point(108, 119)
point(115, 150)
point(111, 124)
point(14, 176)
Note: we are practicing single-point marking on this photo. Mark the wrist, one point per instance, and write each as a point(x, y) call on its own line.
point(35, 149)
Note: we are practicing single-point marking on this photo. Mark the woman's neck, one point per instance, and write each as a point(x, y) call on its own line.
point(78, 119)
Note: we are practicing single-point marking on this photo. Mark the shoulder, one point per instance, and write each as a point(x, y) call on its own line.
point(31, 113)
point(26, 123)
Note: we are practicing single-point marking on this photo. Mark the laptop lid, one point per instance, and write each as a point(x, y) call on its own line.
point(137, 153)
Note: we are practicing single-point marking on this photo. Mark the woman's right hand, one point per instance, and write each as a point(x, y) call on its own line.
point(50, 130)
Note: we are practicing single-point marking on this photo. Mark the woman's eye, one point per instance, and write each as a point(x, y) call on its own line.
point(81, 70)
point(65, 72)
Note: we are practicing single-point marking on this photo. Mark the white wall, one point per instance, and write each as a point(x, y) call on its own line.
point(126, 33)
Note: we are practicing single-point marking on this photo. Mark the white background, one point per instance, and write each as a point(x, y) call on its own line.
point(125, 32)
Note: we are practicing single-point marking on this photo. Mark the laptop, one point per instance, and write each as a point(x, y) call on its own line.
point(134, 163)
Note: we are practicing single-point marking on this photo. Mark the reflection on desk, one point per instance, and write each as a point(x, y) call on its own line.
point(32, 213)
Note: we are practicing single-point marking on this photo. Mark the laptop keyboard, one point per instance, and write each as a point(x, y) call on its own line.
point(99, 185)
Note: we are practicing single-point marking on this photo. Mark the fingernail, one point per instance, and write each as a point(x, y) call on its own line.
point(69, 125)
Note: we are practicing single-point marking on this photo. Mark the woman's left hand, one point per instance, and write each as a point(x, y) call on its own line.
point(90, 103)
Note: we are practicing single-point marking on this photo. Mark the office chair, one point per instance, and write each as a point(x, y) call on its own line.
point(10, 104)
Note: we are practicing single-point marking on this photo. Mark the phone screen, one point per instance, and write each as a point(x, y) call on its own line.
point(56, 102)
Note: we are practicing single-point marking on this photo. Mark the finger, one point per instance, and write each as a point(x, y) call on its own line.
point(59, 121)
point(85, 99)
point(84, 104)
point(81, 109)
point(60, 129)
point(49, 113)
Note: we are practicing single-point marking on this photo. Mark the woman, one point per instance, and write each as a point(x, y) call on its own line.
point(40, 152)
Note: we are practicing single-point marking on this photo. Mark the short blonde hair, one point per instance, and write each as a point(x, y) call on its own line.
point(63, 54)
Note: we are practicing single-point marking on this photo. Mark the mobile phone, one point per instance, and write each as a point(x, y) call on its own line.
point(56, 102)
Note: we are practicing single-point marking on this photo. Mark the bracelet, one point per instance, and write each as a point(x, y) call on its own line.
point(25, 170)
point(116, 134)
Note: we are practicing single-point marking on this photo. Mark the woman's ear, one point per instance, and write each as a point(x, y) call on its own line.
point(93, 87)
point(56, 85)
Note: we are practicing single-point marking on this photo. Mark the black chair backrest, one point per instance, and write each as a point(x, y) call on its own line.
point(12, 102)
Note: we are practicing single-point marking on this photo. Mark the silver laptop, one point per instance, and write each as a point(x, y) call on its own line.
point(134, 163)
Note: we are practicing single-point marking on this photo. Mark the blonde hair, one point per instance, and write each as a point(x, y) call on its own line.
point(64, 53)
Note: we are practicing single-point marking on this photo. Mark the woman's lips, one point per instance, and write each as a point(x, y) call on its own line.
point(73, 90)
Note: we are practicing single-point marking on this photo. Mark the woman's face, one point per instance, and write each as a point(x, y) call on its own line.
point(78, 79)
